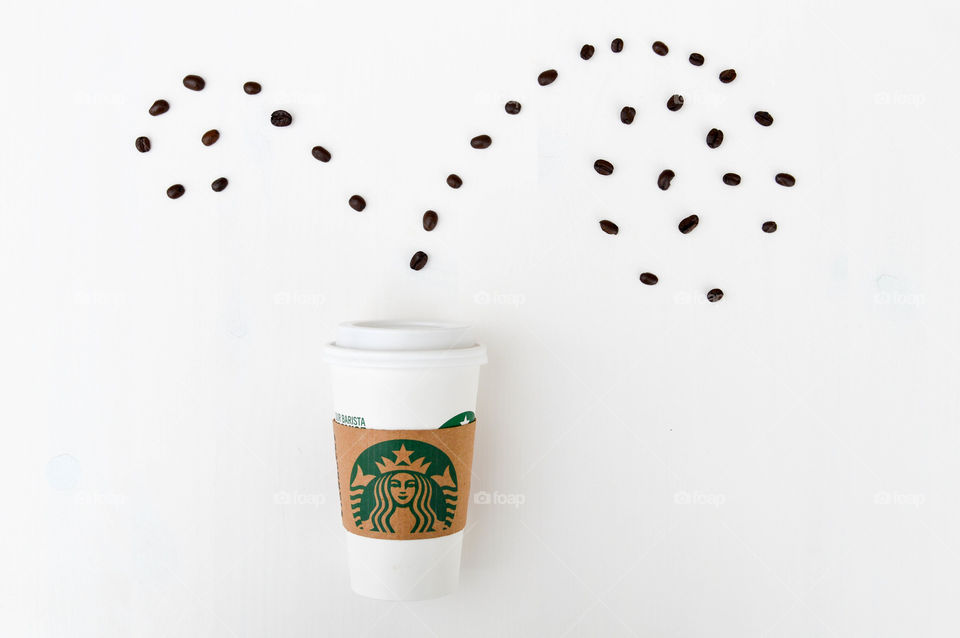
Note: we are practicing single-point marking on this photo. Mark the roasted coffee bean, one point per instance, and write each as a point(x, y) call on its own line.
point(665, 178)
point(176, 191)
point(727, 77)
point(142, 144)
point(219, 184)
point(696, 59)
point(769, 227)
point(481, 141)
point(617, 45)
point(675, 103)
point(512, 107)
point(603, 167)
point(687, 224)
point(320, 153)
point(419, 260)
point(251, 88)
point(430, 220)
point(763, 118)
point(660, 48)
point(714, 138)
point(586, 52)
point(210, 137)
point(731, 179)
point(358, 203)
point(649, 278)
point(194, 82)
point(547, 77)
point(281, 118)
point(627, 114)
point(609, 227)
point(714, 295)
point(785, 179)
point(159, 107)
point(454, 181)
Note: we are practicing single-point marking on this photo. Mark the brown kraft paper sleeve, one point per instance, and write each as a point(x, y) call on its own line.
point(404, 484)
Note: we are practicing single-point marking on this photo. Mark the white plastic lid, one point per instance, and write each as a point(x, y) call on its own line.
point(401, 344)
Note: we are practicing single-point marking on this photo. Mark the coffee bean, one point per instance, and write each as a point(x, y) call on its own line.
point(547, 77)
point(194, 82)
point(696, 59)
point(649, 278)
point(159, 107)
point(727, 77)
point(714, 138)
point(430, 220)
point(481, 141)
point(627, 114)
point(251, 88)
point(512, 107)
point(419, 260)
point(660, 48)
point(714, 295)
point(219, 184)
point(785, 179)
point(617, 45)
point(176, 191)
point(763, 118)
point(603, 167)
point(142, 144)
point(210, 137)
point(609, 227)
point(687, 224)
point(358, 203)
point(586, 52)
point(281, 118)
point(675, 103)
point(665, 178)
point(731, 179)
point(454, 181)
point(769, 227)
point(320, 153)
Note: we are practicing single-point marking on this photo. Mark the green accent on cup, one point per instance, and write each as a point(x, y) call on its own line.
point(461, 419)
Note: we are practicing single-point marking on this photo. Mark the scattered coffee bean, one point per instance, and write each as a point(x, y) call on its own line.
point(649, 278)
point(609, 227)
point(603, 167)
point(176, 191)
point(769, 227)
point(727, 77)
point(586, 52)
point(696, 59)
point(687, 224)
point(547, 77)
point(430, 220)
point(159, 107)
point(675, 103)
point(358, 203)
point(142, 144)
point(714, 138)
point(785, 179)
point(660, 48)
point(481, 141)
point(714, 295)
point(731, 179)
point(763, 118)
point(617, 45)
point(210, 137)
point(665, 178)
point(320, 153)
point(419, 260)
point(219, 184)
point(454, 181)
point(627, 114)
point(512, 107)
point(251, 88)
point(194, 82)
point(281, 118)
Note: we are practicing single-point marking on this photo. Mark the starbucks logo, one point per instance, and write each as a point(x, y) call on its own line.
point(404, 487)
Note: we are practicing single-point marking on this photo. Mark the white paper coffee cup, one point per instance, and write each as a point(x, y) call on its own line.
point(388, 376)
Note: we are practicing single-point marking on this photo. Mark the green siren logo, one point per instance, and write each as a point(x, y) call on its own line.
point(403, 487)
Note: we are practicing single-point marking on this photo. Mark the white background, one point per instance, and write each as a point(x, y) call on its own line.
point(781, 463)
